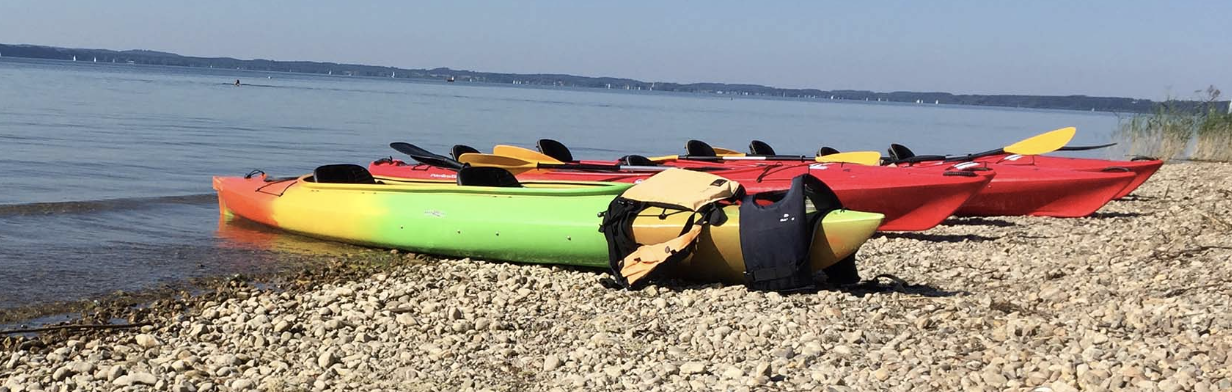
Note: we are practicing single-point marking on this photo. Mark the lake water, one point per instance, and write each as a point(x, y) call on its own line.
point(105, 180)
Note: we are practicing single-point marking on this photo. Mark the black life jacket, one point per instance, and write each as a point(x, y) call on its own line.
point(776, 239)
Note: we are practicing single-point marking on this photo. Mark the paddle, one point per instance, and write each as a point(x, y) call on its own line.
point(857, 157)
point(524, 154)
point(425, 156)
point(518, 165)
point(727, 152)
point(1084, 148)
point(1039, 144)
point(700, 151)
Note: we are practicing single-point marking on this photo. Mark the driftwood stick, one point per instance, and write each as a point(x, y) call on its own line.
point(1216, 220)
point(79, 326)
point(1182, 290)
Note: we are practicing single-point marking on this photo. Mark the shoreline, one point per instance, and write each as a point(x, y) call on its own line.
point(1134, 297)
point(1061, 103)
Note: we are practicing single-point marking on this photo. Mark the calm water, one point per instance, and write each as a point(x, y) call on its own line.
point(105, 180)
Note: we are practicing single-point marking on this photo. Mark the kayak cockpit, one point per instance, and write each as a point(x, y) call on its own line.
point(562, 188)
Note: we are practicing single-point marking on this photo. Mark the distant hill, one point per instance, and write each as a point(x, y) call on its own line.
point(1070, 102)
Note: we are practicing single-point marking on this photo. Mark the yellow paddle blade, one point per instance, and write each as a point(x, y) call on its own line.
point(664, 158)
point(871, 158)
point(1043, 143)
point(727, 152)
point(512, 164)
point(523, 153)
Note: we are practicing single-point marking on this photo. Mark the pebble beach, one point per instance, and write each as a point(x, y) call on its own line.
point(1136, 297)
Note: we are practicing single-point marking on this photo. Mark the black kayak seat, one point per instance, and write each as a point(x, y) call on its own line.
point(699, 148)
point(899, 152)
point(459, 149)
point(342, 174)
point(826, 150)
point(636, 160)
point(487, 176)
point(758, 147)
point(554, 149)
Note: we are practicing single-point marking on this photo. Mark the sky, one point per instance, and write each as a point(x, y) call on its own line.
point(1130, 48)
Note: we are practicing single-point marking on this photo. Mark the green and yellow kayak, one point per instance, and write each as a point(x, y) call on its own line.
point(540, 222)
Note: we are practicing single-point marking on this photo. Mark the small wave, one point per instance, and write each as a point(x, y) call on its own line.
point(77, 207)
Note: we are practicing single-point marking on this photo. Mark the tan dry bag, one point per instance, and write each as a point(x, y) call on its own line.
point(674, 189)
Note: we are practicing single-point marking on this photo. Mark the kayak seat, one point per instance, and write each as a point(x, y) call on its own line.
point(342, 174)
point(459, 149)
point(554, 149)
point(699, 148)
point(826, 150)
point(636, 160)
point(758, 147)
point(487, 176)
point(899, 152)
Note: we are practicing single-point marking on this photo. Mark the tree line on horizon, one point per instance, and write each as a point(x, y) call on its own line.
point(148, 57)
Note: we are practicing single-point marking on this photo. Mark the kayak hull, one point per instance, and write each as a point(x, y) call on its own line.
point(1142, 169)
point(547, 223)
point(909, 201)
point(1035, 191)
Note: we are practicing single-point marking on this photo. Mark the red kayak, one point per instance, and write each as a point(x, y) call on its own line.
point(1035, 190)
point(1141, 168)
point(910, 200)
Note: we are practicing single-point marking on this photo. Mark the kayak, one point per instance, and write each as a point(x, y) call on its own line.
point(539, 222)
point(1036, 191)
point(1141, 168)
point(910, 201)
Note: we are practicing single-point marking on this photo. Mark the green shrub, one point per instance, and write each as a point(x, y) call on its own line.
point(1168, 132)
point(1214, 140)
point(1164, 134)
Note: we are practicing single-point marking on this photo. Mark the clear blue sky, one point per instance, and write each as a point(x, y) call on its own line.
point(1121, 48)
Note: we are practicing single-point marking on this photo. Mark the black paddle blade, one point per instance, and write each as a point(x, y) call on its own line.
point(636, 160)
point(410, 149)
point(426, 157)
point(899, 152)
point(1084, 148)
point(826, 150)
point(554, 149)
point(459, 149)
point(699, 148)
point(758, 147)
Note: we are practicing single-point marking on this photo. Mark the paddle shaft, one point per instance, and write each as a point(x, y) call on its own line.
point(587, 166)
point(922, 158)
point(1084, 148)
point(746, 158)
